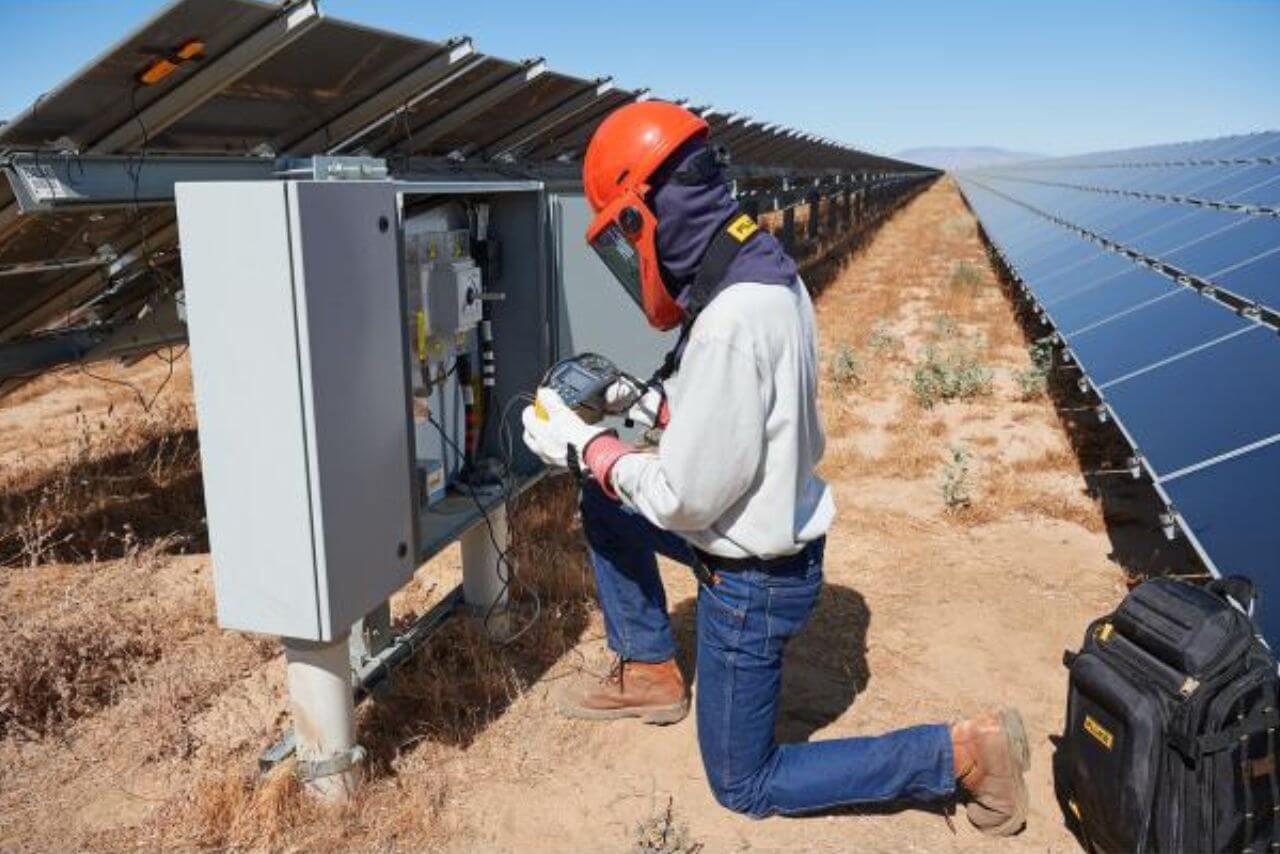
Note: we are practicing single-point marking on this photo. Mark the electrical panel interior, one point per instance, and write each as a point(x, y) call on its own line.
point(477, 341)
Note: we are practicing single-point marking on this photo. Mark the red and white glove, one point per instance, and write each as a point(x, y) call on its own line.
point(552, 437)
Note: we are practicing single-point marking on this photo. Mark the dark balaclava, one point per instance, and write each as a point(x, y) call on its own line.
point(689, 215)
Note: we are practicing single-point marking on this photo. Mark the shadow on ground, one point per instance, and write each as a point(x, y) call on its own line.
point(461, 682)
point(825, 667)
point(1131, 509)
point(109, 505)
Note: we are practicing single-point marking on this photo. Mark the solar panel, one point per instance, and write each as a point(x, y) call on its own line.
point(1111, 298)
point(1159, 268)
point(310, 82)
point(1161, 329)
point(105, 94)
point(1231, 512)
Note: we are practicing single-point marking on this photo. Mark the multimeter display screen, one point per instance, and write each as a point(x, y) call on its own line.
point(575, 377)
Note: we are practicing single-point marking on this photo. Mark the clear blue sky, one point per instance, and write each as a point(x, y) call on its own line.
point(1051, 77)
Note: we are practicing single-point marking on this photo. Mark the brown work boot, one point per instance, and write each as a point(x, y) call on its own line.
point(991, 755)
point(633, 689)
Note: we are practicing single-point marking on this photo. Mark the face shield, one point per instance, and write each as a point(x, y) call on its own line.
point(623, 235)
point(621, 258)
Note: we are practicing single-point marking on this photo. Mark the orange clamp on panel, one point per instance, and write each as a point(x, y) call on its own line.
point(166, 65)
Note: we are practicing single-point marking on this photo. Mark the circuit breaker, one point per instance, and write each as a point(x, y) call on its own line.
point(445, 281)
point(453, 296)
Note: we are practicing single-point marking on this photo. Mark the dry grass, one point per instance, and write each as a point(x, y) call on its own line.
point(455, 687)
point(917, 449)
point(1011, 493)
point(243, 811)
point(127, 487)
point(127, 483)
point(1059, 459)
point(52, 675)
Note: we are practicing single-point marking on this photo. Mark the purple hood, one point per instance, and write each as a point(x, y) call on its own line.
point(689, 215)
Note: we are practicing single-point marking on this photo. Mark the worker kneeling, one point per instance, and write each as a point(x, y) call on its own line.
point(730, 490)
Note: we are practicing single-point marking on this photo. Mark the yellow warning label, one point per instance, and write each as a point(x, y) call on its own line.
point(1098, 731)
point(742, 228)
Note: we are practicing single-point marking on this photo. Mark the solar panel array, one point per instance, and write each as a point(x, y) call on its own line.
point(267, 81)
point(1159, 270)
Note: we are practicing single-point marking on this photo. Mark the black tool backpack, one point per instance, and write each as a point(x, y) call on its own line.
point(1171, 732)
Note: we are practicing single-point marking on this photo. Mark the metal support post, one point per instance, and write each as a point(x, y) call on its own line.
point(324, 721)
point(370, 636)
point(485, 570)
point(789, 227)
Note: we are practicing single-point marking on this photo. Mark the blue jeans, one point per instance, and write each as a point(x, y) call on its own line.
point(744, 623)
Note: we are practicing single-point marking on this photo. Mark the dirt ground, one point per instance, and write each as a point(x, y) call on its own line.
point(966, 556)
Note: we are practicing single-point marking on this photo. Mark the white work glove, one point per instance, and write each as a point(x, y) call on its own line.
point(619, 397)
point(562, 429)
point(624, 396)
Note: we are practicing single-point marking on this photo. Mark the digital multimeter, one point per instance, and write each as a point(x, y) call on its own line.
point(581, 380)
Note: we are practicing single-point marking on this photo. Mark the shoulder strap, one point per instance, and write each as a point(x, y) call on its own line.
point(729, 240)
point(671, 361)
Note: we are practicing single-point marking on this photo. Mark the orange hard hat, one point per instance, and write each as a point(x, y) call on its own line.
point(624, 153)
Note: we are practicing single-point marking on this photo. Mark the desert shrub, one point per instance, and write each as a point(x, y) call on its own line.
point(956, 486)
point(664, 833)
point(965, 275)
point(943, 327)
point(1033, 382)
point(881, 342)
point(949, 374)
point(846, 367)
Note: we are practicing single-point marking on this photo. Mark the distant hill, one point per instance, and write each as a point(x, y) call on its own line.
point(964, 157)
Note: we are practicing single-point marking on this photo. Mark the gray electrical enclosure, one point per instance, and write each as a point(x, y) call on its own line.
point(296, 327)
point(334, 410)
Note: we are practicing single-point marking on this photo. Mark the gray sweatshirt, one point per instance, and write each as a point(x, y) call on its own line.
point(734, 471)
